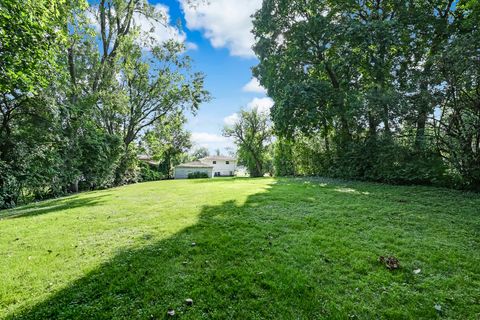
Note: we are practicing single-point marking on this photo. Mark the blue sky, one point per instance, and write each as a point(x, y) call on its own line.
point(219, 38)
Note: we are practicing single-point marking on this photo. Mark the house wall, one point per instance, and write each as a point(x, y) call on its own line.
point(222, 167)
point(182, 173)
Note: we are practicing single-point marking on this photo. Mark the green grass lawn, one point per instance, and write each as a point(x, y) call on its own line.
point(243, 249)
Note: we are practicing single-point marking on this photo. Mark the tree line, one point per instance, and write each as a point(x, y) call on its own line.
point(84, 90)
point(382, 90)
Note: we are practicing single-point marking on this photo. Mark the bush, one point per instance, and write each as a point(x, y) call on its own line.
point(383, 159)
point(150, 173)
point(283, 162)
point(197, 175)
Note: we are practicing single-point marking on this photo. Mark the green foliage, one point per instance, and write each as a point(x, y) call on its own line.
point(198, 175)
point(77, 100)
point(31, 33)
point(9, 188)
point(390, 88)
point(381, 160)
point(168, 142)
point(150, 172)
point(200, 153)
point(283, 158)
point(252, 133)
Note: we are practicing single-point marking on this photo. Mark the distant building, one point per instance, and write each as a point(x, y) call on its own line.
point(147, 159)
point(214, 166)
point(183, 170)
point(222, 166)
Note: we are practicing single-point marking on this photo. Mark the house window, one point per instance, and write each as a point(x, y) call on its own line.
point(227, 162)
point(214, 162)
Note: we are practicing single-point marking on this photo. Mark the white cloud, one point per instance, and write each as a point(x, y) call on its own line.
point(261, 104)
point(211, 141)
point(226, 23)
point(254, 86)
point(231, 119)
point(155, 32)
point(151, 31)
point(204, 137)
point(191, 46)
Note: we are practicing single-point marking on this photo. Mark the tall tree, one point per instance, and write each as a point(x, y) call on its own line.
point(200, 153)
point(252, 134)
point(32, 34)
point(168, 142)
point(157, 87)
point(375, 81)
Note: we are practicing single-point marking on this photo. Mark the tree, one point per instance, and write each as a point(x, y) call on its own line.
point(127, 88)
point(252, 133)
point(376, 80)
point(283, 161)
point(200, 153)
point(31, 35)
point(168, 142)
point(80, 84)
point(157, 88)
point(458, 126)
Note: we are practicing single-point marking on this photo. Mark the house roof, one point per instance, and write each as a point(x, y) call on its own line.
point(147, 159)
point(194, 164)
point(220, 158)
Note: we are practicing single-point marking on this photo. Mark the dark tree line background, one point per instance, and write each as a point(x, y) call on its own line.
point(83, 91)
point(382, 90)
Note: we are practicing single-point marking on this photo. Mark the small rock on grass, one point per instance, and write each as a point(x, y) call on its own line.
point(188, 302)
point(171, 312)
point(417, 271)
point(193, 244)
point(438, 307)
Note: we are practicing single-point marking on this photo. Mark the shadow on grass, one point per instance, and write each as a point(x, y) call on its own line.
point(302, 250)
point(51, 206)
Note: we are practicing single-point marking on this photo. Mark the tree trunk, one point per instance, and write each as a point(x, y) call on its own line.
point(73, 188)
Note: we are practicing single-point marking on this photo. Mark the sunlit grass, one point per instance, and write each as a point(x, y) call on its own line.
point(263, 248)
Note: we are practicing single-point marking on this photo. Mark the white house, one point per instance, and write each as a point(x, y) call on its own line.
point(213, 166)
point(183, 170)
point(222, 166)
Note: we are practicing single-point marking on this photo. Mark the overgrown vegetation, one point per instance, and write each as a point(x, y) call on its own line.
point(81, 85)
point(243, 249)
point(378, 90)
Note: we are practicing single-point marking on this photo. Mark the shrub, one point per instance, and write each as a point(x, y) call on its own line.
point(150, 173)
point(283, 162)
point(197, 175)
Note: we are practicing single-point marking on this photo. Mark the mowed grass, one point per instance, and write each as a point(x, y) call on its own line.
point(263, 249)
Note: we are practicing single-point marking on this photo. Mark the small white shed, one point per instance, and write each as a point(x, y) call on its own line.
point(181, 171)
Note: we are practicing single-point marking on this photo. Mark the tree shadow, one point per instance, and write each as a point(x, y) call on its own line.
point(54, 205)
point(276, 256)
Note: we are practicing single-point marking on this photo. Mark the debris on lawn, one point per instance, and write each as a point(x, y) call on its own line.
point(417, 271)
point(171, 312)
point(193, 244)
point(438, 307)
point(188, 302)
point(391, 262)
